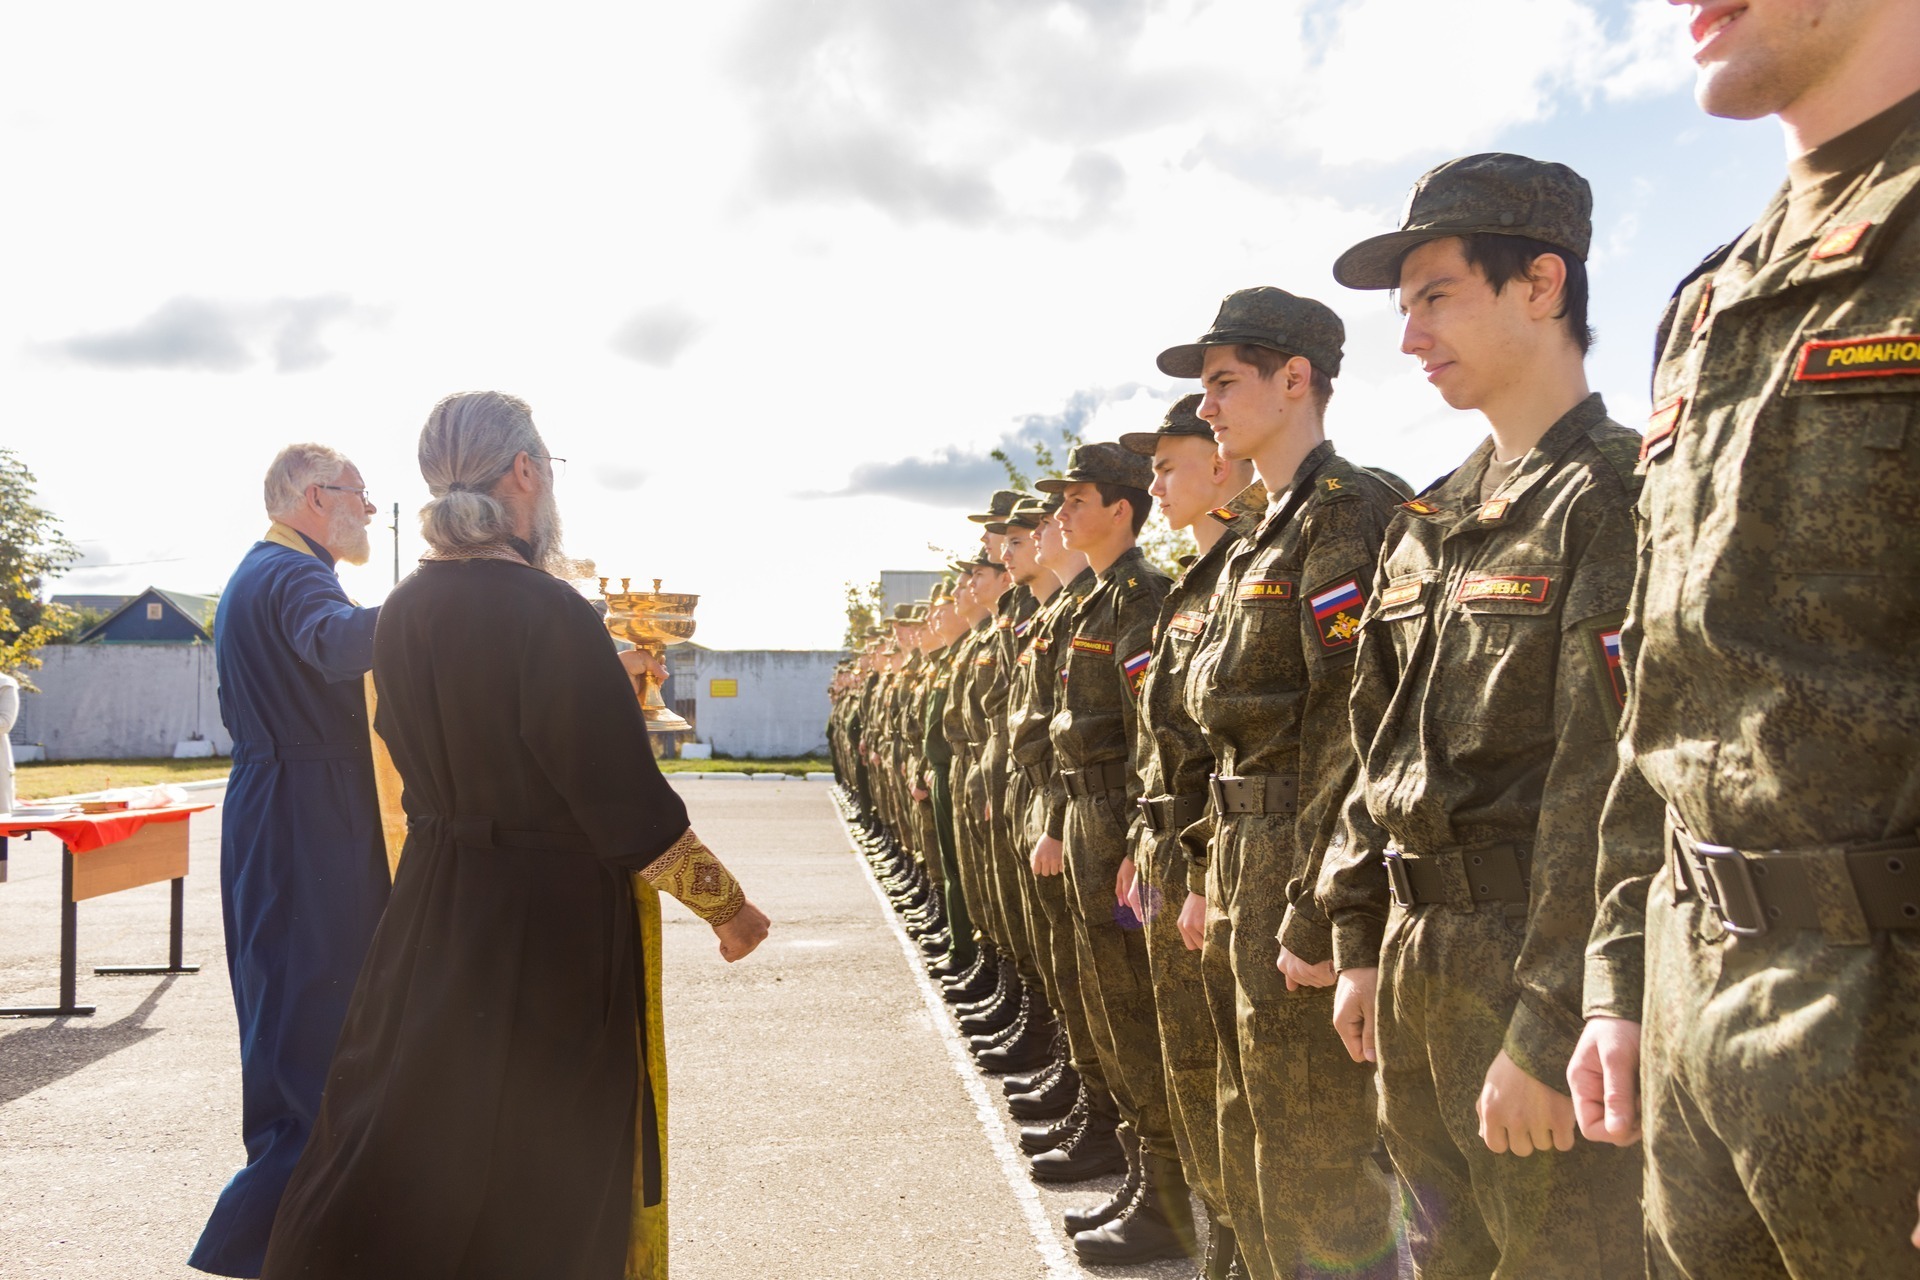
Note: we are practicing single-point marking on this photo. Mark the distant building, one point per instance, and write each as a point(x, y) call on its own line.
point(904, 586)
point(152, 617)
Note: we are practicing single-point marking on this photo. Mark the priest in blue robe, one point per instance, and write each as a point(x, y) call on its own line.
point(303, 867)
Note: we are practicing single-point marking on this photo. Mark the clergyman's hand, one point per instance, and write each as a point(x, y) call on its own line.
point(1048, 857)
point(1520, 1114)
point(1193, 921)
point(740, 935)
point(640, 666)
point(1353, 1013)
point(1604, 1075)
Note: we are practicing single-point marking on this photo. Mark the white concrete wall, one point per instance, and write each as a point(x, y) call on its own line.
point(780, 710)
point(120, 701)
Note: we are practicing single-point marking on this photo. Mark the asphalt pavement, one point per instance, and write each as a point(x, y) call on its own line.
point(823, 1121)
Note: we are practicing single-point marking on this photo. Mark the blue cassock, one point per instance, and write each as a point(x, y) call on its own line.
point(303, 865)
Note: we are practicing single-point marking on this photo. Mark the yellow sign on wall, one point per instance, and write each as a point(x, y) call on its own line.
point(723, 688)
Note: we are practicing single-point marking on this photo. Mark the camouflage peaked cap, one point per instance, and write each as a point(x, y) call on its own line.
point(942, 590)
point(1496, 192)
point(1000, 507)
point(1103, 463)
point(918, 611)
point(1265, 317)
point(902, 613)
point(1181, 420)
point(1029, 512)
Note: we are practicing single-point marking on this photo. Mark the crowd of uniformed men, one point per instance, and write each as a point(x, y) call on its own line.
point(1400, 861)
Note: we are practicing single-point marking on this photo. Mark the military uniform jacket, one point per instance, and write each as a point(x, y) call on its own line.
point(1269, 684)
point(1775, 628)
point(1170, 754)
point(1032, 699)
point(1485, 705)
point(1108, 643)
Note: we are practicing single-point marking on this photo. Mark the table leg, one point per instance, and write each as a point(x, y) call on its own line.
point(69, 954)
point(175, 941)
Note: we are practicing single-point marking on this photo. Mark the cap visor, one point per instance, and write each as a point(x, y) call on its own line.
point(1052, 484)
point(1142, 442)
point(1183, 362)
point(1375, 263)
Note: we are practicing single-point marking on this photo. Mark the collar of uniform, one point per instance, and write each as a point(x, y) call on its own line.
point(1296, 491)
point(1131, 561)
point(1851, 238)
point(286, 536)
point(1083, 581)
point(1572, 427)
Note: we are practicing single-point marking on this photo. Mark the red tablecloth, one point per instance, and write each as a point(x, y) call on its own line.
point(85, 832)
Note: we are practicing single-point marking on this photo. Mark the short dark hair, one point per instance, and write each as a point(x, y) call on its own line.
point(1504, 259)
point(1269, 362)
point(1139, 502)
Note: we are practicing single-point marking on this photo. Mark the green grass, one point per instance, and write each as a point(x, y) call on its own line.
point(808, 764)
point(45, 780)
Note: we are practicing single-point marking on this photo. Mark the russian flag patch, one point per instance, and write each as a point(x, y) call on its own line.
point(1136, 669)
point(1616, 676)
point(1336, 614)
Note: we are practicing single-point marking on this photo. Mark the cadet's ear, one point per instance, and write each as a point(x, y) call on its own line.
point(1546, 286)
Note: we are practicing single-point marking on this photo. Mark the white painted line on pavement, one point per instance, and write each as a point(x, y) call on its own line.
point(1011, 1166)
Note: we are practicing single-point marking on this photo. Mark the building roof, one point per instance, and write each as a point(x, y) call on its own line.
point(197, 610)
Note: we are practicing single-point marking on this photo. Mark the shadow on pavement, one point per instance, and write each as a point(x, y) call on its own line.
point(40, 1055)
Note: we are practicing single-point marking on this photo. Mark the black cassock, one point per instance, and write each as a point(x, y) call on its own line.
point(480, 1114)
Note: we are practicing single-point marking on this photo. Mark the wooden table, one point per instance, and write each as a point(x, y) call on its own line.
point(104, 853)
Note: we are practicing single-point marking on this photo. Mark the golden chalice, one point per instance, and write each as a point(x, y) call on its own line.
point(650, 621)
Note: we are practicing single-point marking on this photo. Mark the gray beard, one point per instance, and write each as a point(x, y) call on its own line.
point(347, 538)
point(545, 537)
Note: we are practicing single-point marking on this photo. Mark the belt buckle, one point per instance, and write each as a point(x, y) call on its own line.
point(1398, 882)
point(1146, 812)
point(1738, 884)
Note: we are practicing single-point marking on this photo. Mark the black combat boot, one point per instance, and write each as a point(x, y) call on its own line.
point(1223, 1252)
point(1091, 1152)
point(1087, 1217)
point(1037, 1138)
point(992, 1014)
point(935, 945)
point(1001, 975)
point(1022, 1009)
point(1050, 1099)
point(976, 980)
point(1157, 1224)
point(1030, 1045)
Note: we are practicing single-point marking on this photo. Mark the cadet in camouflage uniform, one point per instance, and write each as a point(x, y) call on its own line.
point(961, 956)
point(1086, 1150)
point(1218, 500)
point(1484, 710)
point(1761, 865)
point(1267, 681)
point(1104, 503)
point(985, 581)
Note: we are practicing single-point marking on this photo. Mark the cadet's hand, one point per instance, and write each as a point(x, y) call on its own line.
point(1605, 1078)
point(1353, 996)
point(920, 793)
point(1048, 859)
point(1193, 921)
point(1916, 1237)
point(1521, 1115)
point(740, 935)
point(1299, 973)
point(1123, 884)
point(986, 812)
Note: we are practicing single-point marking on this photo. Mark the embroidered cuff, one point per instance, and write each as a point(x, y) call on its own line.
point(691, 873)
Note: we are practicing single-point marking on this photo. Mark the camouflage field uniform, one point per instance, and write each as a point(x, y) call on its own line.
point(937, 750)
point(1173, 763)
point(1006, 865)
point(1092, 730)
point(1484, 709)
point(1775, 657)
point(1030, 709)
point(1269, 686)
point(966, 812)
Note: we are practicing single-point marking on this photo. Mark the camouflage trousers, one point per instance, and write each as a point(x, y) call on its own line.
point(1446, 996)
point(1188, 1043)
point(952, 891)
point(1298, 1117)
point(968, 847)
point(1061, 954)
point(1019, 802)
point(1780, 1087)
point(1115, 981)
point(1006, 868)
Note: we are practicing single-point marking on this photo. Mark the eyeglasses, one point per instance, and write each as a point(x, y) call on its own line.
point(347, 488)
point(559, 464)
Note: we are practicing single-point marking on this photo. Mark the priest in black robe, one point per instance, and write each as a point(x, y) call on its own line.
point(496, 1106)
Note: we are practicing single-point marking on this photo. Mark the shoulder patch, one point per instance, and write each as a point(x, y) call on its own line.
point(1224, 515)
point(1136, 669)
point(1420, 507)
point(1494, 511)
point(1885, 356)
point(1336, 614)
point(1661, 424)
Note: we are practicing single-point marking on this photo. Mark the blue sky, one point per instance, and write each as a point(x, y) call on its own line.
point(774, 276)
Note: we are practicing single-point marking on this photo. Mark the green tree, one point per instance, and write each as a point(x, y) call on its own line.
point(863, 611)
point(32, 549)
point(1042, 460)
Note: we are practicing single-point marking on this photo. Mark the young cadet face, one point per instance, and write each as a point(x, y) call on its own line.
point(1186, 478)
point(1051, 543)
point(1472, 343)
point(995, 545)
point(1085, 523)
point(1757, 57)
point(1022, 553)
point(990, 584)
point(1245, 410)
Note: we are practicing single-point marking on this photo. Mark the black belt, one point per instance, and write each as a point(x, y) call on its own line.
point(1754, 892)
point(1036, 775)
point(267, 752)
point(1462, 877)
point(1255, 793)
point(483, 833)
point(1109, 775)
point(1173, 813)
